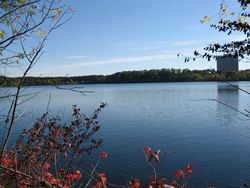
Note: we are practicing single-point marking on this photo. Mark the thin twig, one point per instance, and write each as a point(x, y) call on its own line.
point(25, 175)
point(74, 89)
point(92, 173)
point(218, 101)
point(109, 184)
point(235, 86)
point(150, 164)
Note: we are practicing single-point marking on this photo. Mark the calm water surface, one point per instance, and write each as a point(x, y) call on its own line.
point(175, 117)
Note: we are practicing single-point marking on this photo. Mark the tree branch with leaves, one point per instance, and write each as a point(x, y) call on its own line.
point(25, 23)
point(229, 22)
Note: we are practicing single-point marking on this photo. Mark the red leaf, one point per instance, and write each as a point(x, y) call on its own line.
point(70, 178)
point(180, 173)
point(189, 168)
point(77, 175)
point(98, 184)
point(6, 163)
point(103, 179)
point(148, 150)
point(46, 166)
point(103, 155)
point(55, 181)
point(48, 176)
point(135, 183)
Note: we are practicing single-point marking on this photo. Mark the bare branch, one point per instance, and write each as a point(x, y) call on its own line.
point(74, 89)
point(220, 102)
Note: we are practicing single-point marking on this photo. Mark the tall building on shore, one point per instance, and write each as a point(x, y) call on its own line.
point(227, 63)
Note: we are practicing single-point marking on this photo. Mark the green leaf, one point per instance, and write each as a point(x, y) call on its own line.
point(2, 33)
point(45, 33)
point(21, 2)
point(31, 12)
point(206, 19)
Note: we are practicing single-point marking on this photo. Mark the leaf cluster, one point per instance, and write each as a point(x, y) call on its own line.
point(49, 143)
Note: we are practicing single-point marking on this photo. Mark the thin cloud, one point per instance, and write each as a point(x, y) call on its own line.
point(76, 57)
point(144, 48)
point(153, 46)
point(123, 44)
point(188, 42)
point(161, 42)
point(210, 40)
point(124, 60)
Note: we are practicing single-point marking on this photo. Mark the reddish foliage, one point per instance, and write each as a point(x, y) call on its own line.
point(148, 150)
point(48, 175)
point(135, 183)
point(46, 166)
point(77, 175)
point(151, 155)
point(159, 183)
point(180, 173)
point(71, 177)
point(103, 155)
point(103, 178)
point(8, 159)
point(189, 168)
point(99, 184)
point(6, 163)
point(38, 150)
point(55, 181)
point(47, 142)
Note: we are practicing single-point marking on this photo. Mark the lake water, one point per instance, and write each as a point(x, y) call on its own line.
point(175, 117)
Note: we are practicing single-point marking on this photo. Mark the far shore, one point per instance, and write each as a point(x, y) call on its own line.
point(144, 76)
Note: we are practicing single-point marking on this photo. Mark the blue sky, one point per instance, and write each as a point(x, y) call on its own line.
point(107, 36)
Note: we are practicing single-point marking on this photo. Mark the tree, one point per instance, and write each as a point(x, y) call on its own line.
point(228, 22)
point(25, 23)
point(35, 158)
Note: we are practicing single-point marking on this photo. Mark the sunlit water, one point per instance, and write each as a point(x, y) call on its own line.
point(175, 117)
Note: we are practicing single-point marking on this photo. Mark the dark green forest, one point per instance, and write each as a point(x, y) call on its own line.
point(143, 76)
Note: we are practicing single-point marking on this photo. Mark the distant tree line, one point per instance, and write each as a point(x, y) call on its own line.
point(154, 75)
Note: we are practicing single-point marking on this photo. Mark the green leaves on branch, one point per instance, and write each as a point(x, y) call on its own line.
point(206, 19)
point(41, 33)
point(229, 22)
point(25, 22)
point(21, 2)
point(2, 34)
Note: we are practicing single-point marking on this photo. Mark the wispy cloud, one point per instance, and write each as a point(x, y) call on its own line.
point(160, 45)
point(123, 60)
point(123, 44)
point(142, 46)
point(76, 57)
point(221, 39)
point(187, 42)
point(145, 48)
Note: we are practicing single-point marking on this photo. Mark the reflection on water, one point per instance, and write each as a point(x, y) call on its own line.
point(228, 102)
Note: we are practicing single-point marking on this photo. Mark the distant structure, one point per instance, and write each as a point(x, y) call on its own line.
point(227, 63)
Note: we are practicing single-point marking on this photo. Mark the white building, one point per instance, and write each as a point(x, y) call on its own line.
point(227, 63)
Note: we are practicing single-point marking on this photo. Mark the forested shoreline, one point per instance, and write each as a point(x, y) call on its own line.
point(144, 76)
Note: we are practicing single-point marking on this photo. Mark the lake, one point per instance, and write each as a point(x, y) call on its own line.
point(178, 118)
